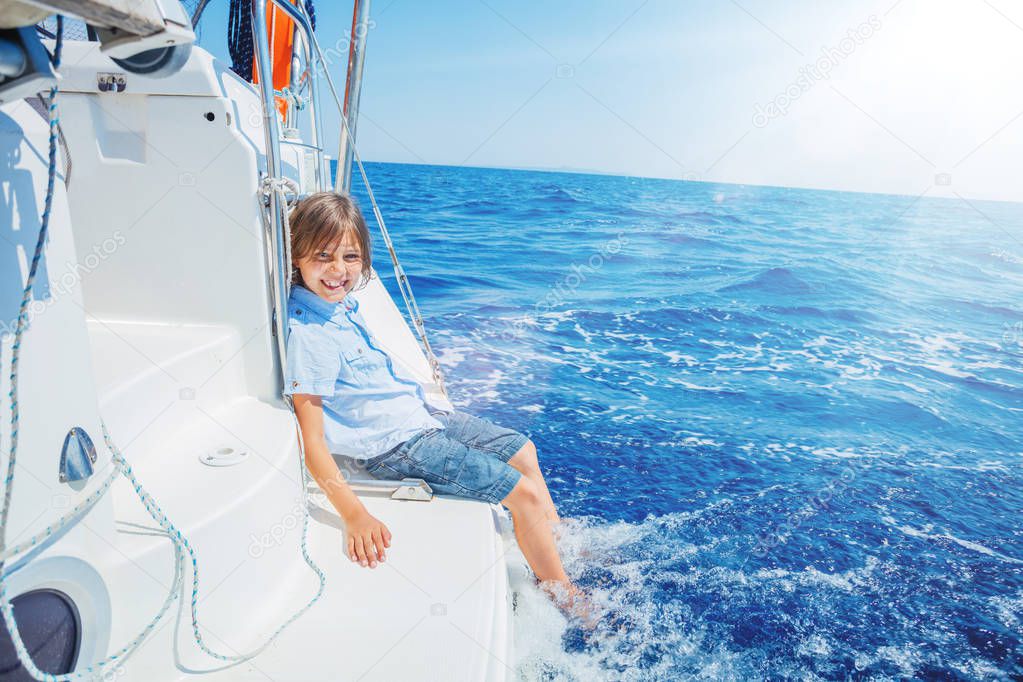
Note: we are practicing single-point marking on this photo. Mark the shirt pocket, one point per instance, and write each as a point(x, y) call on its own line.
point(361, 362)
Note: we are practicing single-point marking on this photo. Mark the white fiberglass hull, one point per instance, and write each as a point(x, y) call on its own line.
point(162, 328)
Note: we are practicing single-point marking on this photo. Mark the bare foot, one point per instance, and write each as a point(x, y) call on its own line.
point(573, 602)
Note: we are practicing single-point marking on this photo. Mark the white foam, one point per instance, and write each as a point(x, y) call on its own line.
point(450, 356)
point(986, 465)
point(945, 367)
point(676, 357)
point(689, 441)
point(907, 657)
point(1009, 610)
point(926, 534)
point(846, 581)
point(695, 387)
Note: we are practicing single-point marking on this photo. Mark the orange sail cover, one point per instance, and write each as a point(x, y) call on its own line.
point(281, 31)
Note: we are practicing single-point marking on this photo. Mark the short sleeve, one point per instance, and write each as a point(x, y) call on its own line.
point(313, 361)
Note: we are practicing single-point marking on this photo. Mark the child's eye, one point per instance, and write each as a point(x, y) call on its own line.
point(352, 258)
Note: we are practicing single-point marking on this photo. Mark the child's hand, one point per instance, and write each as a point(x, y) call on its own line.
point(367, 538)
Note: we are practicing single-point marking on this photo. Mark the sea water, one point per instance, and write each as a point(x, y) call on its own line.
point(783, 425)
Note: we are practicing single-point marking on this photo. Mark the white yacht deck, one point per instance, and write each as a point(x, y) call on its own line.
point(439, 603)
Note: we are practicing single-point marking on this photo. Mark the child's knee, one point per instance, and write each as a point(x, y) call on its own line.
point(525, 495)
point(526, 459)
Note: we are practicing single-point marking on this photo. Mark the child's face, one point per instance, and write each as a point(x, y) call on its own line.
point(332, 275)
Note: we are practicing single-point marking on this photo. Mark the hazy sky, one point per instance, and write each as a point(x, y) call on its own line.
point(907, 96)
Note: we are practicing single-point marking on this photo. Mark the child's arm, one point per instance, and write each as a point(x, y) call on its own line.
point(367, 536)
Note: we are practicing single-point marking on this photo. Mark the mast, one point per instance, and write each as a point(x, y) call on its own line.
point(353, 88)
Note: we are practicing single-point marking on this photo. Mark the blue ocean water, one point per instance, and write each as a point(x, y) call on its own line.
point(784, 425)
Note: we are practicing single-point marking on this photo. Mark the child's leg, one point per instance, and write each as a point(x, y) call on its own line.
point(533, 530)
point(526, 461)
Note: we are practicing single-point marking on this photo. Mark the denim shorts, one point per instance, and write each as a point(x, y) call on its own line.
point(468, 458)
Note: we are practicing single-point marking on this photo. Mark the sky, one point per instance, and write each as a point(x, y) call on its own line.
point(915, 97)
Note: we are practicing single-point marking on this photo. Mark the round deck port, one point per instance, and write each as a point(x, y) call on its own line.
point(224, 456)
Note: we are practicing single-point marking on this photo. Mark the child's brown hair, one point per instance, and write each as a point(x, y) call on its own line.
point(320, 222)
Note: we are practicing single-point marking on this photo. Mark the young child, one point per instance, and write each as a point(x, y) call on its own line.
point(349, 401)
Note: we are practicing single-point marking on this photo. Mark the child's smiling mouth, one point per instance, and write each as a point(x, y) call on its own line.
point(333, 284)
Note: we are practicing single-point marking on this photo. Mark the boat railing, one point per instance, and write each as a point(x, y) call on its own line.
point(272, 183)
point(275, 203)
point(315, 67)
point(310, 77)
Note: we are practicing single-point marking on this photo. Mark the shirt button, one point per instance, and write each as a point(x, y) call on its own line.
point(360, 350)
point(294, 384)
point(298, 312)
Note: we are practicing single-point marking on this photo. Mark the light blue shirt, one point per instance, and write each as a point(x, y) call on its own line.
point(367, 409)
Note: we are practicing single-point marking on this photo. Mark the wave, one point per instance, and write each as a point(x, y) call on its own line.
point(946, 536)
point(434, 283)
point(843, 314)
point(707, 218)
point(772, 281)
point(688, 240)
point(686, 317)
point(988, 308)
point(556, 194)
point(477, 207)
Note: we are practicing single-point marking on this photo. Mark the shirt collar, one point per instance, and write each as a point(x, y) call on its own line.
point(303, 297)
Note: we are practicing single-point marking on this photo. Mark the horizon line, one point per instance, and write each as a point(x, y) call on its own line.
point(565, 170)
